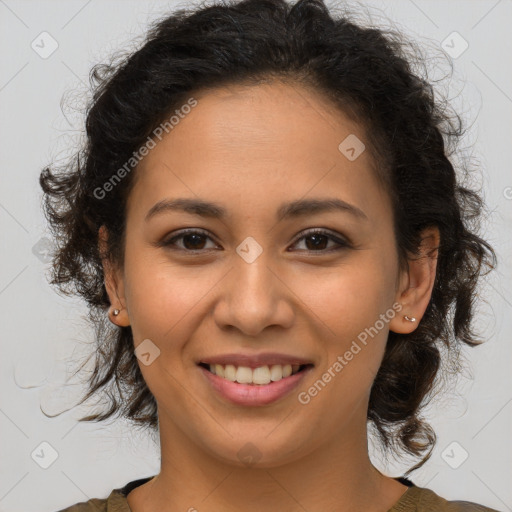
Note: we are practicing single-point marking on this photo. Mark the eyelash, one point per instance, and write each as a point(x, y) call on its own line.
point(342, 244)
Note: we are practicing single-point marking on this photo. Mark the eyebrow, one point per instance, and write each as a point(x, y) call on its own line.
point(292, 209)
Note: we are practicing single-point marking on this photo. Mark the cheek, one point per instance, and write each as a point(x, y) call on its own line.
point(350, 304)
point(164, 298)
point(353, 304)
point(351, 296)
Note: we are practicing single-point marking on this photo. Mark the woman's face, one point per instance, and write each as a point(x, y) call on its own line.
point(249, 284)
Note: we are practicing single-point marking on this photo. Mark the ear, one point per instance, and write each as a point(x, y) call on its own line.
point(114, 283)
point(416, 283)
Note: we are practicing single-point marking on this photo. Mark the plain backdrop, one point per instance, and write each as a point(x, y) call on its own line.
point(47, 50)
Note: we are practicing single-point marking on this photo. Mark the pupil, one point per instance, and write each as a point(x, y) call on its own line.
point(194, 245)
point(318, 243)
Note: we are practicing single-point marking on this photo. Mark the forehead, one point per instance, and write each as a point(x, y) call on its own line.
point(253, 145)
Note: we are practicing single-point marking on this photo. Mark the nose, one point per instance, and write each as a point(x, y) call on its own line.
point(254, 296)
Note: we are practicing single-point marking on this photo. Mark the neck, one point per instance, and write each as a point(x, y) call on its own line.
point(337, 476)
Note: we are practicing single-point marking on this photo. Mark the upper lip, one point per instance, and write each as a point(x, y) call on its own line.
point(255, 360)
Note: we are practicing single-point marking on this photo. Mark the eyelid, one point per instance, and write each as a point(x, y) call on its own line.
point(166, 242)
point(341, 240)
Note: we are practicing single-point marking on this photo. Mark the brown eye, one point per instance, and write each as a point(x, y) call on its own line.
point(196, 240)
point(191, 240)
point(318, 240)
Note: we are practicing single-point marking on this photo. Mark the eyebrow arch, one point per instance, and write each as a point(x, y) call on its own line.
point(292, 209)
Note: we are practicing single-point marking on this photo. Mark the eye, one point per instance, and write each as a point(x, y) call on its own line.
point(319, 239)
point(192, 240)
point(195, 240)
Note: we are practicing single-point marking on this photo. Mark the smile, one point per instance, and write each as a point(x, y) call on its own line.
point(261, 375)
point(250, 387)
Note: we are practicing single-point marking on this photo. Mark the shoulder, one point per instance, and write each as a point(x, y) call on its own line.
point(420, 499)
point(115, 502)
point(95, 505)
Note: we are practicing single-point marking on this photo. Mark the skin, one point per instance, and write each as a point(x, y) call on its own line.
point(249, 149)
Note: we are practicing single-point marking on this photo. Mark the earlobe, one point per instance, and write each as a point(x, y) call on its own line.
point(119, 317)
point(118, 313)
point(419, 280)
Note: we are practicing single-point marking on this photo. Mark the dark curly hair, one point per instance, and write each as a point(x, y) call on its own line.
point(366, 73)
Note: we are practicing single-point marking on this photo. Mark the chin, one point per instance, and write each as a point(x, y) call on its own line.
point(260, 451)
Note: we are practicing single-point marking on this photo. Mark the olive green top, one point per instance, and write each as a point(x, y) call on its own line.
point(415, 499)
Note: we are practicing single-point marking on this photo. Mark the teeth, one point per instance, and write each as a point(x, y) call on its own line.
point(230, 372)
point(261, 375)
point(276, 372)
point(243, 375)
point(219, 370)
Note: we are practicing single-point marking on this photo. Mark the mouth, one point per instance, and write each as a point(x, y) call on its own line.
point(259, 376)
point(250, 387)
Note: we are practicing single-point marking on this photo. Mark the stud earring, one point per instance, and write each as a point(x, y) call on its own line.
point(410, 319)
point(116, 312)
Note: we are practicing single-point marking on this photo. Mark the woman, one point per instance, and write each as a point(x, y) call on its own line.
point(265, 209)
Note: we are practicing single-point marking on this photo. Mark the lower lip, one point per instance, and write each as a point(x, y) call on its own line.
point(254, 394)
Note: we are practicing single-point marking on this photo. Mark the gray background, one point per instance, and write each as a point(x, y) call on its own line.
point(43, 333)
